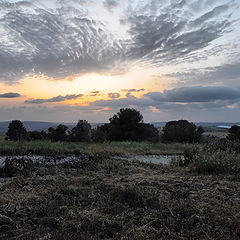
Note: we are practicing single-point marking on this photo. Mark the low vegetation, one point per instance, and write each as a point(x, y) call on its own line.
point(102, 198)
point(219, 157)
point(46, 147)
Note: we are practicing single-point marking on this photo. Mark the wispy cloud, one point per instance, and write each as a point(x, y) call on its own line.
point(133, 90)
point(54, 99)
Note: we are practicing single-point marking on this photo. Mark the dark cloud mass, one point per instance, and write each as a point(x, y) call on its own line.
point(54, 99)
point(63, 38)
point(10, 95)
point(195, 94)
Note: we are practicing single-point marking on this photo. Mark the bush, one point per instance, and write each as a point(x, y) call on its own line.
point(223, 145)
point(189, 154)
point(218, 162)
point(234, 133)
point(15, 166)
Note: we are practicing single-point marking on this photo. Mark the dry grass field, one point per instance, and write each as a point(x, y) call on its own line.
point(104, 198)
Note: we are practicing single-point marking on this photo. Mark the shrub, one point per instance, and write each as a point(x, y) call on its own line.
point(189, 154)
point(234, 133)
point(14, 166)
point(218, 162)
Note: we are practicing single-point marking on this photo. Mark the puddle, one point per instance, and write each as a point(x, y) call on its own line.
point(162, 159)
point(156, 159)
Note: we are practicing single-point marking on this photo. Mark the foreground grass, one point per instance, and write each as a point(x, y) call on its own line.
point(115, 199)
point(113, 148)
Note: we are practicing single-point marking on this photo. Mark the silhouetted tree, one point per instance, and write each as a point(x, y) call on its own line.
point(127, 125)
point(147, 132)
point(100, 133)
point(181, 131)
point(16, 131)
point(81, 132)
point(58, 134)
point(234, 133)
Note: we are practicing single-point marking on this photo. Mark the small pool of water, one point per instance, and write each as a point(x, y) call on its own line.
point(155, 159)
point(162, 159)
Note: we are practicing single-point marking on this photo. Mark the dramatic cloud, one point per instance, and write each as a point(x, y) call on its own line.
point(189, 44)
point(114, 95)
point(172, 33)
point(54, 99)
point(10, 95)
point(57, 42)
point(63, 38)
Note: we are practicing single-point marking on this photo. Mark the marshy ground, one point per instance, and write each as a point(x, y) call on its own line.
point(100, 197)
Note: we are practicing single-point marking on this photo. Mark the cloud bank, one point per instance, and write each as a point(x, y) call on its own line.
point(54, 99)
point(185, 98)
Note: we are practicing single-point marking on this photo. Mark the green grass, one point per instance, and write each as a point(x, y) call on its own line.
point(112, 148)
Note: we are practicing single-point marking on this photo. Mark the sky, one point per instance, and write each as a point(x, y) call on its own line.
point(66, 60)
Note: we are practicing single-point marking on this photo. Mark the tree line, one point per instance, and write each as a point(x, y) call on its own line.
point(126, 125)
